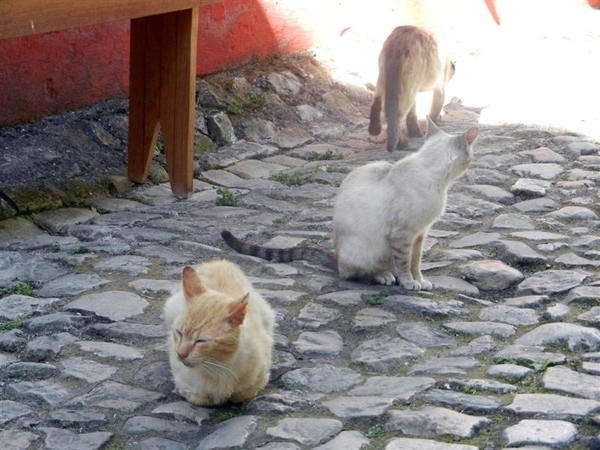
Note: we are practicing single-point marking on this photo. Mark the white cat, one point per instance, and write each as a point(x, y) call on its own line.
point(383, 212)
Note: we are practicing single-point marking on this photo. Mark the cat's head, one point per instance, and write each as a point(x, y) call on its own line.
point(209, 330)
point(455, 150)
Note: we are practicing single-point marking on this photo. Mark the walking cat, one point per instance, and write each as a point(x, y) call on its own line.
point(220, 335)
point(382, 214)
point(410, 62)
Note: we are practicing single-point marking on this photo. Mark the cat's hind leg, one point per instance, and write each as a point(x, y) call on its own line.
point(375, 116)
point(415, 263)
point(437, 103)
point(412, 124)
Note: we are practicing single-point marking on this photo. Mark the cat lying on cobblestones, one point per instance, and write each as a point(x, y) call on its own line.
point(383, 212)
point(221, 335)
point(410, 62)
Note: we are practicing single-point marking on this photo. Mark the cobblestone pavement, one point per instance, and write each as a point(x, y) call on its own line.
point(504, 352)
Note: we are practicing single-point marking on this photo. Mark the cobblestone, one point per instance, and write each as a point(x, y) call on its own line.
point(492, 357)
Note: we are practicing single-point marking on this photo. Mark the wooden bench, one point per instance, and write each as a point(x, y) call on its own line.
point(162, 69)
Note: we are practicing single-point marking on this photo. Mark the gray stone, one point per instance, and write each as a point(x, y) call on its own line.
point(233, 433)
point(570, 382)
point(369, 318)
point(509, 371)
point(184, 411)
point(481, 328)
point(398, 388)
point(545, 155)
point(221, 129)
point(59, 439)
point(471, 207)
point(444, 366)
point(576, 336)
point(12, 341)
point(592, 316)
point(425, 444)
point(110, 350)
point(422, 334)
point(15, 267)
point(583, 293)
point(527, 301)
point(386, 353)
point(510, 315)
point(284, 297)
point(131, 264)
point(71, 284)
point(116, 396)
point(536, 205)
point(72, 418)
point(493, 193)
point(433, 421)
point(556, 313)
point(528, 354)
point(468, 403)
point(18, 306)
point(573, 260)
point(159, 444)
point(55, 322)
point(358, 407)
point(314, 315)
point(17, 440)
point(551, 282)
point(554, 433)
point(40, 391)
point(113, 305)
point(478, 346)
point(30, 370)
point(573, 213)
point(530, 187)
point(285, 402)
point(483, 385)
point(346, 440)
point(552, 407)
point(58, 221)
point(490, 275)
point(155, 376)
point(322, 378)
point(285, 83)
point(10, 410)
point(425, 306)
point(545, 171)
point(145, 424)
point(252, 168)
point(307, 431)
point(46, 347)
point(513, 222)
point(87, 370)
point(476, 239)
point(539, 236)
point(326, 342)
point(128, 331)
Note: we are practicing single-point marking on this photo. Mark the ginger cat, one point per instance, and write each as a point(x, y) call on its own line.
point(221, 335)
point(382, 214)
point(410, 62)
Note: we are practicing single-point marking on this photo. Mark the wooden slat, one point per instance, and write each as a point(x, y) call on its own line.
point(29, 17)
point(178, 72)
point(144, 94)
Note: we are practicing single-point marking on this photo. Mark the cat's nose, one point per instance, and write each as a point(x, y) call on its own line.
point(182, 355)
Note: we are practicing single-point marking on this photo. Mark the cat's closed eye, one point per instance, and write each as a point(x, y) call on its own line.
point(202, 340)
point(178, 334)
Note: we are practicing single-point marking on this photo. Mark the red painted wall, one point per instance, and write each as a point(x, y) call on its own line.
point(45, 74)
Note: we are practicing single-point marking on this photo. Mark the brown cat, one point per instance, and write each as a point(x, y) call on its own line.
point(221, 334)
point(410, 62)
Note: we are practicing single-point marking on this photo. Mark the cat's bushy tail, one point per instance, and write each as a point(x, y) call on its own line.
point(313, 254)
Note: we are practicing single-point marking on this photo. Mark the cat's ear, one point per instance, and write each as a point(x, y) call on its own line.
point(431, 128)
point(238, 312)
point(192, 285)
point(470, 135)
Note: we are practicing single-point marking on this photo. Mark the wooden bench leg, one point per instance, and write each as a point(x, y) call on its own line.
point(162, 90)
point(144, 94)
point(178, 89)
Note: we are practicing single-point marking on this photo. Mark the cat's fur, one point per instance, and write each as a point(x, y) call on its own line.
point(410, 62)
point(220, 335)
point(383, 212)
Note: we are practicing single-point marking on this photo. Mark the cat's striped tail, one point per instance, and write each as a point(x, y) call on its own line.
point(313, 254)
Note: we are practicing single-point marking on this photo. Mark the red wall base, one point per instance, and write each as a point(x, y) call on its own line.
point(45, 74)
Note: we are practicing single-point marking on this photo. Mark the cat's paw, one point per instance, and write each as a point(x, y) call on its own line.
point(385, 278)
point(411, 285)
point(425, 284)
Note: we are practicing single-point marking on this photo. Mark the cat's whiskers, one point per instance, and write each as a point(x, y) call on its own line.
point(218, 368)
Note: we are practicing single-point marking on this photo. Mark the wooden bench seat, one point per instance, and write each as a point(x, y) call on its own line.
point(162, 69)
